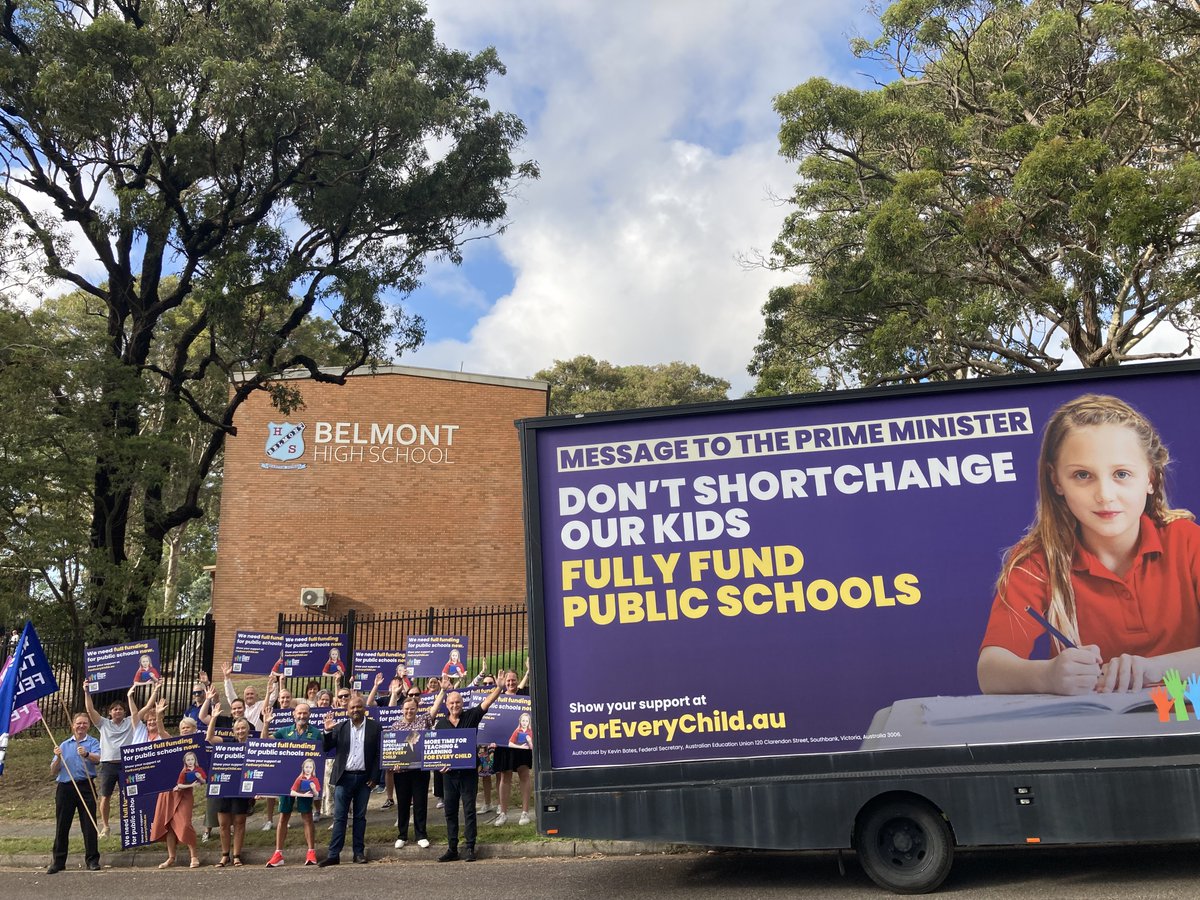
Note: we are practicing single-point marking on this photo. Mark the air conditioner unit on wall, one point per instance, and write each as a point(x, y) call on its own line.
point(314, 598)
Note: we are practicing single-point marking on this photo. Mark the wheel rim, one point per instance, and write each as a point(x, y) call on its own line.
point(903, 844)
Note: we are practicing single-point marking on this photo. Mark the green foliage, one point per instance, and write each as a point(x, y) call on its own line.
point(1024, 190)
point(584, 384)
point(252, 180)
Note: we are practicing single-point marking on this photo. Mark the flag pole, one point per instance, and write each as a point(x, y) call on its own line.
point(75, 783)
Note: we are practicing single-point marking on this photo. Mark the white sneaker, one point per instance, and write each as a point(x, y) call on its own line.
point(206, 836)
point(423, 843)
point(501, 819)
point(268, 825)
point(399, 843)
point(524, 820)
point(441, 804)
point(483, 810)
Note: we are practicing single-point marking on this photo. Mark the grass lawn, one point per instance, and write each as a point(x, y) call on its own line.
point(27, 794)
point(27, 787)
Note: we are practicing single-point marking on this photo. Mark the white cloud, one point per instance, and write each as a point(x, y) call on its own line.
point(653, 126)
point(80, 254)
point(450, 284)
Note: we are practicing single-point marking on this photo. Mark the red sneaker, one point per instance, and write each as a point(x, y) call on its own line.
point(275, 861)
point(310, 858)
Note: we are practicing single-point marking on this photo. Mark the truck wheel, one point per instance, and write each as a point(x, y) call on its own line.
point(905, 846)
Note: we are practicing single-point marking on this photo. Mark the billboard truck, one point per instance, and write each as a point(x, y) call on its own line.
point(900, 620)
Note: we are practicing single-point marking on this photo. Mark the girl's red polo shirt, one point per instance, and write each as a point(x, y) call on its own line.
point(1153, 610)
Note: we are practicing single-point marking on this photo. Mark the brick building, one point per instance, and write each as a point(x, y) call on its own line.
point(400, 489)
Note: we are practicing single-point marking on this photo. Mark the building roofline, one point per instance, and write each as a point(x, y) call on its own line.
point(530, 384)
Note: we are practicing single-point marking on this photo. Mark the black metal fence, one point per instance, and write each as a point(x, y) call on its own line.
point(185, 649)
point(497, 633)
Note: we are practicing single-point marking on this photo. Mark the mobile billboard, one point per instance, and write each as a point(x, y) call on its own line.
point(820, 574)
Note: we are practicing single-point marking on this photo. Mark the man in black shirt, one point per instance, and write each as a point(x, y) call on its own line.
point(461, 784)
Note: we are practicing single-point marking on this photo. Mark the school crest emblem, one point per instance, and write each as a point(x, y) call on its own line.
point(285, 440)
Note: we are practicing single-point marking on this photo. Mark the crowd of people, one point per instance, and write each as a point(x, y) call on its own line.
point(87, 769)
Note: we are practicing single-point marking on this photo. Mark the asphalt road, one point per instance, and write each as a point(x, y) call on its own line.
point(1125, 873)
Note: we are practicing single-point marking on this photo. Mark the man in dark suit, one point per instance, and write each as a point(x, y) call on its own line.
point(355, 771)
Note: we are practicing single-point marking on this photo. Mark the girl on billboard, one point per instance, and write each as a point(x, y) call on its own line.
point(1108, 569)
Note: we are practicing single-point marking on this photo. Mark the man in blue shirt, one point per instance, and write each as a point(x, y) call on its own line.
point(198, 693)
point(73, 768)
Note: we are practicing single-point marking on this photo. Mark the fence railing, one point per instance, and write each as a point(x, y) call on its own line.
point(497, 632)
point(185, 649)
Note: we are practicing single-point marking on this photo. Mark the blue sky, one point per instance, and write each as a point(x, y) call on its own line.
point(653, 127)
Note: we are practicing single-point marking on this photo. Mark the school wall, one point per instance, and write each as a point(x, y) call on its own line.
point(426, 513)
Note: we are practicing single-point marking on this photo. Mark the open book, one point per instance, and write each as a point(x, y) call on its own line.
point(1013, 707)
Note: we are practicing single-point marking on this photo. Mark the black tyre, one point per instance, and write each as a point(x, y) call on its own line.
point(905, 846)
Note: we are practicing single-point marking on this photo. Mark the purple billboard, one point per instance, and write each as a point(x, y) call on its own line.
point(871, 570)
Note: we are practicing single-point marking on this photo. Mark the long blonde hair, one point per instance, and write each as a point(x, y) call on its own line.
point(1055, 530)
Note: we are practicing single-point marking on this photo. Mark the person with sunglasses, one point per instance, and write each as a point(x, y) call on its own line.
point(198, 692)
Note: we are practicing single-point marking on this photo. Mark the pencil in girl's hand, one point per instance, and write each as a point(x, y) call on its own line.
point(1050, 629)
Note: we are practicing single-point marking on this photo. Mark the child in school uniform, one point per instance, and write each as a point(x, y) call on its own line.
point(1107, 562)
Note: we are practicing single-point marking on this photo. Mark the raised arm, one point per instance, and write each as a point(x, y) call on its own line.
point(138, 712)
point(210, 734)
point(90, 707)
point(524, 678)
point(207, 712)
point(375, 688)
point(482, 671)
point(441, 697)
point(490, 698)
point(212, 709)
point(161, 709)
point(230, 693)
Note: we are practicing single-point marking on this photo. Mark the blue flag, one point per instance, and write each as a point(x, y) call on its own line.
point(8, 691)
point(27, 677)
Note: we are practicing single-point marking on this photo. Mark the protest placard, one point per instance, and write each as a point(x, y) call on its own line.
point(257, 652)
point(225, 768)
point(401, 749)
point(472, 696)
point(386, 716)
point(314, 655)
point(156, 766)
point(435, 655)
point(281, 718)
point(120, 665)
point(453, 747)
point(137, 815)
point(425, 703)
point(283, 768)
point(508, 722)
point(367, 663)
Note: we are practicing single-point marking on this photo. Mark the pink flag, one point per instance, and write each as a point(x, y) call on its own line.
point(24, 716)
